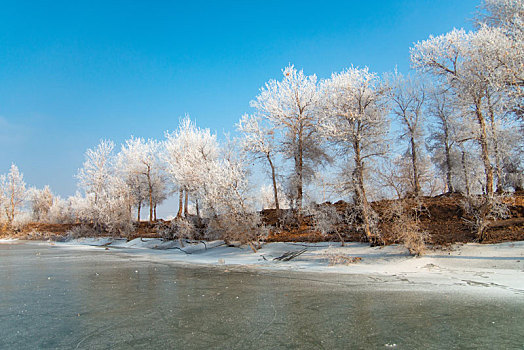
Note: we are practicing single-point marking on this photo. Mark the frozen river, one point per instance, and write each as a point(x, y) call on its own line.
point(60, 298)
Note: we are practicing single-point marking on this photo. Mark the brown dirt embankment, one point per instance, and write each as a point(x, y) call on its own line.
point(441, 217)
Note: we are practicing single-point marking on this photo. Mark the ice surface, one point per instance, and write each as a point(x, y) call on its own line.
point(489, 268)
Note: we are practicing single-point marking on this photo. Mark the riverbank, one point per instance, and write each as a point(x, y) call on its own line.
point(482, 267)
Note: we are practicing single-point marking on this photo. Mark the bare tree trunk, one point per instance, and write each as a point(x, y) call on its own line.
point(154, 211)
point(11, 216)
point(150, 204)
point(197, 208)
point(150, 188)
point(360, 193)
point(138, 211)
point(299, 166)
point(485, 151)
point(186, 199)
point(414, 160)
point(498, 166)
point(465, 171)
point(273, 177)
point(180, 203)
point(447, 150)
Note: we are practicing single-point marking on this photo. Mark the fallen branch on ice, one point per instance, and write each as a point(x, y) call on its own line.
point(290, 255)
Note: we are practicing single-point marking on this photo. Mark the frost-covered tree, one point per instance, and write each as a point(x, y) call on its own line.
point(3, 199)
point(61, 212)
point(41, 201)
point(97, 169)
point(13, 193)
point(290, 106)
point(507, 17)
point(189, 151)
point(389, 178)
point(108, 200)
point(451, 57)
point(506, 14)
point(408, 96)
point(259, 140)
point(228, 201)
point(394, 177)
point(266, 198)
point(354, 118)
point(479, 65)
point(445, 134)
point(217, 177)
point(141, 167)
point(470, 179)
point(160, 191)
point(510, 161)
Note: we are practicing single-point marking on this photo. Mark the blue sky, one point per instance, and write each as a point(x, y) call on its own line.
point(73, 72)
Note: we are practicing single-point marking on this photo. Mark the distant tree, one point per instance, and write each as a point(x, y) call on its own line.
point(41, 202)
point(353, 113)
point(390, 178)
point(97, 169)
point(140, 164)
point(160, 192)
point(510, 158)
point(13, 193)
point(266, 198)
point(60, 212)
point(108, 199)
point(444, 134)
point(408, 96)
point(259, 140)
point(290, 106)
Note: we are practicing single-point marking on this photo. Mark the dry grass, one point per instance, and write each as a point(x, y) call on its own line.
point(403, 219)
point(341, 259)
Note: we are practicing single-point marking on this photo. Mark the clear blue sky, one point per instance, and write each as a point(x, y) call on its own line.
point(73, 72)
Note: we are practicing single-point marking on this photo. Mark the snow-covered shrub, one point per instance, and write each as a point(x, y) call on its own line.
point(402, 218)
point(353, 218)
point(337, 258)
point(21, 220)
point(481, 210)
point(246, 228)
point(113, 216)
point(81, 231)
point(109, 213)
point(288, 219)
point(325, 219)
point(179, 228)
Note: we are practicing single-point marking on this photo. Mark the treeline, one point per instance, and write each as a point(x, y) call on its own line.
point(454, 125)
